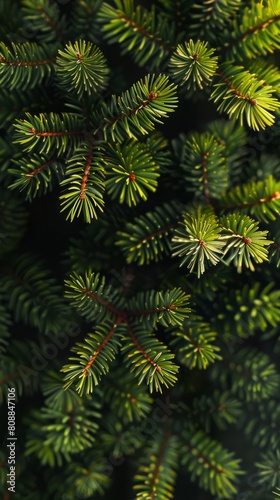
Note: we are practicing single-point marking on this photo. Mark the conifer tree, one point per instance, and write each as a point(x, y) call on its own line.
point(139, 249)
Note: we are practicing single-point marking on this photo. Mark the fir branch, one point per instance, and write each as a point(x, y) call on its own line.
point(61, 432)
point(265, 415)
point(12, 228)
point(244, 242)
point(210, 16)
point(244, 311)
point(34, 295)
point(148, 358)
point(269, 468)
point(199, 242)
point(203, 161)
point(85, 20)
point(125, 397)
point(23, 66)
point(262, 20)
point(82, 68)
point(131, 172)
point(135, 26)
point(91, 358)
point(137, 110)
point(177, 11)
point(49, 132)
point(83, 183)
point(274, 251)
point(244, 97)
point(92, 297)
point(252, 375)
point(217, 468)
point(166, 308)
point(220, 409)
point(148, 237)
point(36, 175)
point(156, 472)
point(45, 20)
point(194, 344)
point(218, 184)
point(261, 199)
point(193, 64)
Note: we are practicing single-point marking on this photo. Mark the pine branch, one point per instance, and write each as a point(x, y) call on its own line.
point(131, 172)
point(261, 199)
point(93, 298)
point(165, 308)
point(217, 469)
point(148, 237)
point(135, 27)
point(252, 375)
point(83, 183)
point(260, 20)
point(33, 295)
point(44, 20)
point(148, 358)
point(194, 344)
point(136, 111)
point(244, 97)
point(193, 64)
point(199, 242)
point(244, 243)
point(36, 175)
point(49, 133)
point(203, 161)
point(91, 360)
point(156, 474)
point(23, 66)
point(82, 67)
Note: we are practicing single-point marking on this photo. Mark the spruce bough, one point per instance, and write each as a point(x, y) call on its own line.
point(143, 343)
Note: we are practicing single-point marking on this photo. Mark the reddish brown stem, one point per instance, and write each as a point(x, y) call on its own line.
point(86, 172)
point(157, 469)
point(108, 306)
point(145, 355)
point(249, 31)
point(37, 170)
point(99, 349)
point(53, 134)
point(273, 196)
point(235, 90)
point(145, 33)
point(27, 63)
point(152, 97)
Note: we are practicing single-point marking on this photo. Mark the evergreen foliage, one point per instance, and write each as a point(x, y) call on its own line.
point(140, 248)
